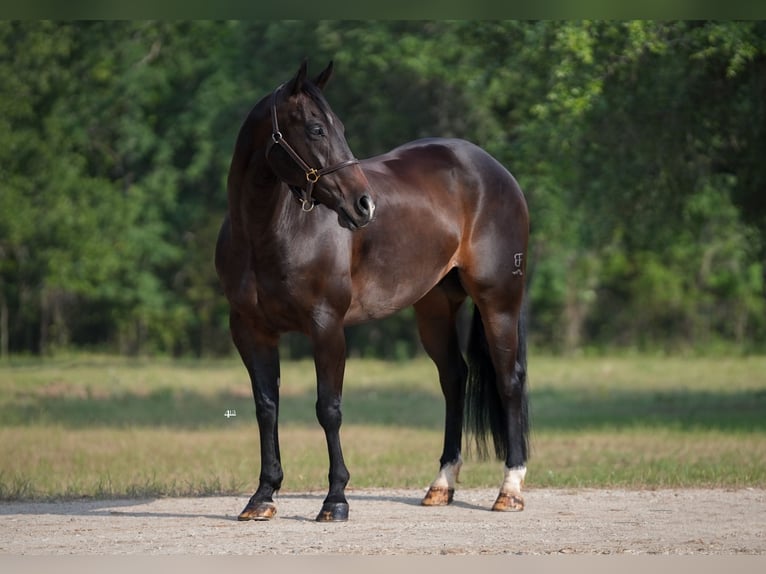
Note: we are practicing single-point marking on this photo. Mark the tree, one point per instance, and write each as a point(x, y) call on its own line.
point(637, 143)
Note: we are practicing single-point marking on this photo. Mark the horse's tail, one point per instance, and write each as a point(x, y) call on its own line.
point(484, 411)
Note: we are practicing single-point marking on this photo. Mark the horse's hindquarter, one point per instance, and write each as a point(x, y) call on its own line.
point(430, 195)
point(494, 247)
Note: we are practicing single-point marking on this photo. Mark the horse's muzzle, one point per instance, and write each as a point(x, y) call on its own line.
point(356, 215)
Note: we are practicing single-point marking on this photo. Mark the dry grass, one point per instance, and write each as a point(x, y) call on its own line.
point(94, 426)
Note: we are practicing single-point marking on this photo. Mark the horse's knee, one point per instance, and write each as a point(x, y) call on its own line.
point(329, 413)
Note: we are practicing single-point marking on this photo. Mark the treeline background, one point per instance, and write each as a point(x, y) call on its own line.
point(641, 147)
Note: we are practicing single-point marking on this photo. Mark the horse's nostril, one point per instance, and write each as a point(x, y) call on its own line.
point(364, 205)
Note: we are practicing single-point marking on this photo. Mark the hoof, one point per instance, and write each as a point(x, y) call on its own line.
point(508, 502)
point(333, 512)
point(258, 511)
point(438, 496)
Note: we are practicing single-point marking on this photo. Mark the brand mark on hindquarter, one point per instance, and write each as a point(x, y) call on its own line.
point(518, 260)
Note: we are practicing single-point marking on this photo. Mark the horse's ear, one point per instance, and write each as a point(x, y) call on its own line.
point(324, 77)
point(296, 84)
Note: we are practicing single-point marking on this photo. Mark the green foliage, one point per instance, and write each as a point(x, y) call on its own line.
point(639, 145)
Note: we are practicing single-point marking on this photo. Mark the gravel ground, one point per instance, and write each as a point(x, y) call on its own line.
point(391, 522)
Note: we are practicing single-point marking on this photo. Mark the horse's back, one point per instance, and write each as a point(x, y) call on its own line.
point(450, 165)
point(459, 179)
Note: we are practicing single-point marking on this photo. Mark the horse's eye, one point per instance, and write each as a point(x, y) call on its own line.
point(316, 130)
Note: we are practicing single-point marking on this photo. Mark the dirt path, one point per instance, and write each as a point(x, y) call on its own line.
point(392, 522)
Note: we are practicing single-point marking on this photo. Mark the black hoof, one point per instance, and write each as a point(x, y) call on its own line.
point(333, 512)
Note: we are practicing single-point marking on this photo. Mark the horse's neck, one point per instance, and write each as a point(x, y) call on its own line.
point(266, 213)
point(256, 196)
point(262, 212)
point(254, 191)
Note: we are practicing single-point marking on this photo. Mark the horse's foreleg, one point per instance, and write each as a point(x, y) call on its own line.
point(435, 315)
point(330, 363)
point(261, 358)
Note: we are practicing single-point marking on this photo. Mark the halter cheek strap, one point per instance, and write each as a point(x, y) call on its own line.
point(312, 174)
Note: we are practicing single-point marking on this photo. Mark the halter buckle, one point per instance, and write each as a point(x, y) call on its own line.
point(311, 204)
point(312, 175)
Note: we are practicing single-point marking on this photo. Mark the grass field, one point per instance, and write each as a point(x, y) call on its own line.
point(106, 427)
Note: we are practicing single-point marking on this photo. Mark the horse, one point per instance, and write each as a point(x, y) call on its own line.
point(314, 240)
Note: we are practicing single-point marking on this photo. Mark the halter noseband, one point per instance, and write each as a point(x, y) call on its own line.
point(312, 174)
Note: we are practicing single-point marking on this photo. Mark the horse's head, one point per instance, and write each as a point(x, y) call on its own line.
point(309, 152)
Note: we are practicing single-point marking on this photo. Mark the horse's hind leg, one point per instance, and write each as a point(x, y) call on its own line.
point(497, 386)
point(436, 314)
point(261, 358)
point(504, 342)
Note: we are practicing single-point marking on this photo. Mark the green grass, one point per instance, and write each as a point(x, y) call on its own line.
point(104, 426)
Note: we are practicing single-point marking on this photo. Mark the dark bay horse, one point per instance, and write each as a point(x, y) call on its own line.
point(315, 240)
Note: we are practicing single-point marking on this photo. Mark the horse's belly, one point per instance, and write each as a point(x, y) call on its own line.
point(385, 295)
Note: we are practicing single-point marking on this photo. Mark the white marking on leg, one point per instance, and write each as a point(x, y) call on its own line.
point(448, 474)
point(514, 479)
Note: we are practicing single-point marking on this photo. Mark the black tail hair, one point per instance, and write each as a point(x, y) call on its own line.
point(484, 413)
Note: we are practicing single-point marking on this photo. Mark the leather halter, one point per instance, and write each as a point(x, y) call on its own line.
point(312, 174)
